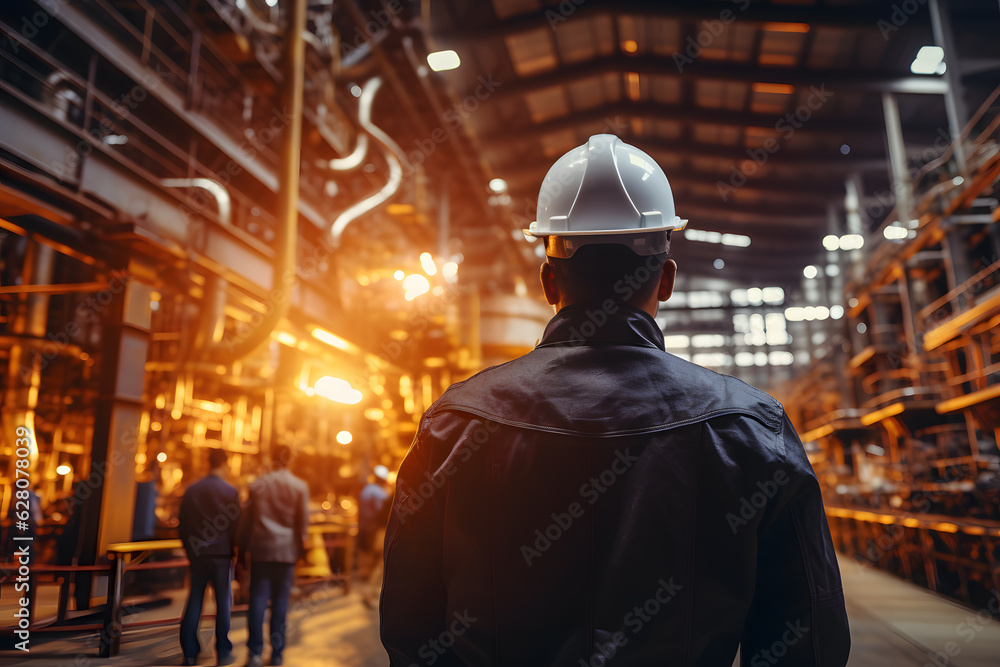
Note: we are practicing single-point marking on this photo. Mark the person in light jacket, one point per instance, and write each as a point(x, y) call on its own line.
point(273, 533)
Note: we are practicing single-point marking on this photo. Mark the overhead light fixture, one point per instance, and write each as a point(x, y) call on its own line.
point(786, 27)
point(852, 242)
point(337, 390)
point(415, 285)
point(633, 86)
point(333, 340)
point(810, 272)
point(285, 338)
point(735, 240)
point(630, 46)
point(809, 313)
point(831, 242)
point(773, 88)
point(441, 61)
point(63, 470)
point(929, 60)
point(427, 264)
point(498, 185)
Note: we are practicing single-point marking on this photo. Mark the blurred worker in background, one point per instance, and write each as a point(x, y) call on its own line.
point(146, 492)
point(273, 531)
point(207, 524)
point(373, 512)
point(599, 498)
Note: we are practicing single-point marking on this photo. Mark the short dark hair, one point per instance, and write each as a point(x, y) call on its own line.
point(281, 456)
point(217, 457)
point(608, 271)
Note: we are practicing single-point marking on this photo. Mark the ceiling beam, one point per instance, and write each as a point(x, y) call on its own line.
point(835, 80)
point(700, 210)
point(786, 125)
point(528, 180)
point(873, 17)
point(515, 169)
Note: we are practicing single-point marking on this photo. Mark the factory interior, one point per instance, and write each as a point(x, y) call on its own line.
point(233, 223)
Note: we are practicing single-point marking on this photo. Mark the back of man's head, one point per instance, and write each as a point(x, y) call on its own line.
point(608, 271)
point(217, 458)
point(281, 456)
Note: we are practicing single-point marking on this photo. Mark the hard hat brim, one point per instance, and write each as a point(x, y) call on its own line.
point(676, 225)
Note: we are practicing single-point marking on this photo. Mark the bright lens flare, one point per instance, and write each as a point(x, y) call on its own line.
point(415, 285)
point(427, 264)
point(337, 390)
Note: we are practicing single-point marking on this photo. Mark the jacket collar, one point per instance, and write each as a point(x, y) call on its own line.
point(605, 322)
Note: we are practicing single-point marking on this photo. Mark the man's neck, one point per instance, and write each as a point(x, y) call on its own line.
point(651, 308)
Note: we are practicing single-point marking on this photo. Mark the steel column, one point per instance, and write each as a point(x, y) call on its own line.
point(954, 96)
point(897, 160)
point(108, 510)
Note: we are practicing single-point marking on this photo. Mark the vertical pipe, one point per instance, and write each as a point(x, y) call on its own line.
point(836, 295)
point(288, 188)
point(954, 96)
point(852, 203)
point(24, 372)
point(897, 160)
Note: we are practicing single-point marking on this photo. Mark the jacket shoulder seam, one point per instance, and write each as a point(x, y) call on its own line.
point(665, 426)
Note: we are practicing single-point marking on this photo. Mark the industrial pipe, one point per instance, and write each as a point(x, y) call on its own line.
point(393, 155)
point(288, 193)
point(214, 188)
point(352, 161)
point(29, 317)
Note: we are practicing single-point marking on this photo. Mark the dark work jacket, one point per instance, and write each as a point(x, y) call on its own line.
point(599, 501)
point(208, 517)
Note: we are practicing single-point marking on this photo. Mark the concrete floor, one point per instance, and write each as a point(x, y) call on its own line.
point(892, 622)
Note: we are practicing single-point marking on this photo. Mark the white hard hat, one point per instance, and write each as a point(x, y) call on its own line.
point(605, 192)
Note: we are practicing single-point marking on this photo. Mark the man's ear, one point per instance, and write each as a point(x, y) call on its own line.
point(550, 285)
point(667, 278)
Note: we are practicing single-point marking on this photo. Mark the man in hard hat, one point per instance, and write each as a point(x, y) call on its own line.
point(599, 499)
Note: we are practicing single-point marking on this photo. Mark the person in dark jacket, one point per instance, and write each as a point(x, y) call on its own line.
point(274, 532)
point(599, 501)
point(208, 518)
